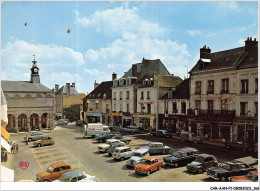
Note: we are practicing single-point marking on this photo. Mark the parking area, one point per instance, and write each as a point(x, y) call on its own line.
point(82, 154)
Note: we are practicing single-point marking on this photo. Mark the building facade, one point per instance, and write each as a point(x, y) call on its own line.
point(31, 105)
point(223, 94)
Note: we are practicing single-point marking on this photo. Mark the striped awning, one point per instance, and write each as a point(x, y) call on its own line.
point(5, 134)
point(6, 145)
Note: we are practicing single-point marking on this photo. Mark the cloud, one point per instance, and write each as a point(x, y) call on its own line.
point(241, 42)
point(193, 32)
point(121, 20)
point(93, 72)
point(19, 54)
point(231, 5)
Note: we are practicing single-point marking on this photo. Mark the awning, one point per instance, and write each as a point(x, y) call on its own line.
point(7, 175)
point(5, 145)
point(5, 134)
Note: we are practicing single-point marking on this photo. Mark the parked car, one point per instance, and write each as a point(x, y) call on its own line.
point(202, 163)
point(191, 137)
point(53, 172)
point(35, 136)
point(132, 129)
point(137, 156)
point(126, 140)
point(161, 133)
point(105, 146)
point(113, 146)
point(239, 146)
point(75, 176)
point(104, 136)
point(252, 176)
point(157, 148)
point(44, 141)
point(63, 122)
point(181, 157)
point(229, 169)
point(148, 165)
point(121, 153)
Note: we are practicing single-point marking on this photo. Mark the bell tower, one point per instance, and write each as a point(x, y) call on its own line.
point(35, 77)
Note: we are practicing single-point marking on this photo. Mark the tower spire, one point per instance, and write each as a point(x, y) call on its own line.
point(35, 77)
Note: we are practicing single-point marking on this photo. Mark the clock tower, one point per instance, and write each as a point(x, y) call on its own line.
point(35, 77)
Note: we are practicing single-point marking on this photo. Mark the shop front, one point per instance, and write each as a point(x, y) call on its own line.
point(174, 123)
point(117, 118)
point(145, 122)
point(107, 119)
point(127, 120)
point(94, 117)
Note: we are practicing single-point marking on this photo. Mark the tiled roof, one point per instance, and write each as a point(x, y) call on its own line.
point(169, 81)
point(146, 69)
point(236, 58)
point(182, 91)
point(100, 90)
point(23, 86)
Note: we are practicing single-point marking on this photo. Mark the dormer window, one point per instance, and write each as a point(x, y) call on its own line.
point(115, 83)
point(169, 94)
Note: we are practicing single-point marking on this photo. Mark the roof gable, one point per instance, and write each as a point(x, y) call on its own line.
point(100, 90)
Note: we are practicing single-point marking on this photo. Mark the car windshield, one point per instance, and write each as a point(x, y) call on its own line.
point(64, 178)
point(50, 169)
point(199, 159)
point(176, 154)
point(225, 166)
point(146, 162)
point(137, 154)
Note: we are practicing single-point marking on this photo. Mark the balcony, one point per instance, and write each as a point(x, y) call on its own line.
point(244, 92)
point(210, 92)
point(200, 112)
point(197, 93)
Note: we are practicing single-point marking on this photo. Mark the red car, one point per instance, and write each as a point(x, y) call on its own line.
point(148, 165)
point(252, 176)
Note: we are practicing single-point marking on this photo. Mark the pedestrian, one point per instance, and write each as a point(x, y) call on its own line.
point(26, 139)
point(14, 147)
point(17, 147)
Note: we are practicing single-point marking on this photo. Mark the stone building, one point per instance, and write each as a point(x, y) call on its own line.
point(173, 108)
point(31, 105)
point(148, 95)
point(97, 104)
point(224, 94)
point(124, 90)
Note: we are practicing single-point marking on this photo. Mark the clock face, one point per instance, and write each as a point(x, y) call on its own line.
point(35, 70)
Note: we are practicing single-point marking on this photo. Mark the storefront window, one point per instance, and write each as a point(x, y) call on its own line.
point(240, 132)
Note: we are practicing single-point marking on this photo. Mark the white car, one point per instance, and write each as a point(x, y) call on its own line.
point(122, 153)
point(75, 176)
point(137, 156)
point(105, 146)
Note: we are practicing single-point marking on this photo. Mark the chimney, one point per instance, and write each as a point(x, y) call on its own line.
point(56, 87)
point(204, 51)
point(96, 84)
point(250, 44)
point(68, 88)
point(114, 76)
point(73, 85)
point(134, 70)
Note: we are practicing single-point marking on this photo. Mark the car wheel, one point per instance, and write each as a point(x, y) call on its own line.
point(244, 149)
point(164, 152)
point(182, 140)
point(132, 131)
point(39, 145)
point(159, 167)
point(200, 171)
point(151, 134)
point(122, 158)
point(227, 147)
point(148, 173)
point(30, 140)
point(46, 180)
point(223, 179)
point(196, 142)
point(176, 164)
point(109, 154)
point(127, 142)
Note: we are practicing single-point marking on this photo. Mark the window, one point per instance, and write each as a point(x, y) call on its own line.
point(244, 86)
point(174, 107)
point(224, 104)
point(121, 95)
point(256, 85)
point(183, 108)
point(114, 95)
point(127, 107)
point(142, 95)
point(210, 87)
point(107, 106)
point(148, 95)
point(243, 108)
point(210, 105)
point(96, 105)
point(225, 86)
point(142, 108)
point(114, 107)
point(121, 109)
point(127, 94)
point(256, 108)
point(198, 88)
point(197, 104)
point(148, 108)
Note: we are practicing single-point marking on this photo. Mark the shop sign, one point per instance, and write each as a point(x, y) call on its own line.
point(117, 114)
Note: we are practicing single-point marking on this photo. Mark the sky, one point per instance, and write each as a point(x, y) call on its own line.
point(107, 37)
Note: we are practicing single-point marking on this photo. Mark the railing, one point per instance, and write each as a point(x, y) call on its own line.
point(211, 112)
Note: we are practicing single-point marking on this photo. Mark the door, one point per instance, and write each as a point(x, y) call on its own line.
point(55, 174)
point(251, 137)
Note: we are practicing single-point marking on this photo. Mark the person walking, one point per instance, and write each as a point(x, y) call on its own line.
point(17, 147)
point(12, 148)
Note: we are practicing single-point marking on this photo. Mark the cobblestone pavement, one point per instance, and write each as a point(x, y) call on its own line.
point(83, 155)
